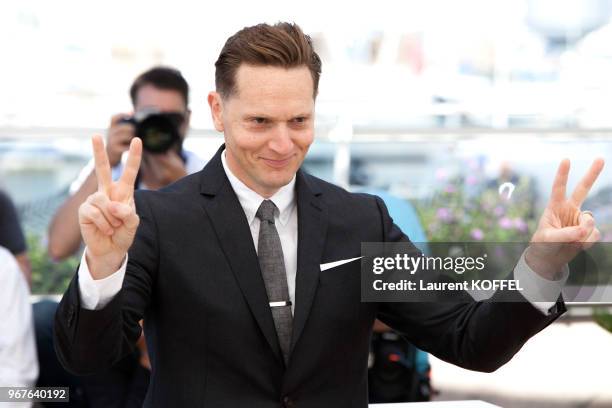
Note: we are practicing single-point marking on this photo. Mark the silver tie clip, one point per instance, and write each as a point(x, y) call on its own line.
point(279, 304)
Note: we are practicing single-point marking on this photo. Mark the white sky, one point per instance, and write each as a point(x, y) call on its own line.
point(70, 63)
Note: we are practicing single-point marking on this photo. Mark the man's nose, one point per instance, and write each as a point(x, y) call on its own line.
point(281, 141)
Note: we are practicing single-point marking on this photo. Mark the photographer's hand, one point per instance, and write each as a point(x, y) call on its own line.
point(564, 228)
point(108, 219)
point(118, 138)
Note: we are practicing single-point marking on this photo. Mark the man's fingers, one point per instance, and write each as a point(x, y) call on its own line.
point(582, 189)
point(102, 165)
point(588, 223)
point(591, 239)
point(586, 219)
point(563, 235)
point(126, 213)
point(130, 172)
point(91, 214)
point(560, 183)
point(101, 201)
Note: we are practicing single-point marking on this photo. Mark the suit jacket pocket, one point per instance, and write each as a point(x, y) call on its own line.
point(349, 273)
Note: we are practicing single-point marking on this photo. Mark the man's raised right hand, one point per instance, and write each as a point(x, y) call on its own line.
point(108, 218)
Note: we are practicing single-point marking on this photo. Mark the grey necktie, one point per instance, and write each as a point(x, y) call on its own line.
point(271, 261)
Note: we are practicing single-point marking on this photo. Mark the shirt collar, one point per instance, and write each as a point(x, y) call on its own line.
point(284, 198)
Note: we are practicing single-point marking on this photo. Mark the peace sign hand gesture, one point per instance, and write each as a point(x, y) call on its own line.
point(108, 218)
point(564, 228)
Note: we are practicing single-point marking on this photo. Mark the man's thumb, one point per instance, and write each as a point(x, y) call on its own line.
point(125, 213)
point(567, 234)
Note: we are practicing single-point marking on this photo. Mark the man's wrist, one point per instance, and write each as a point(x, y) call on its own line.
point(543, 265)
point(103, 266)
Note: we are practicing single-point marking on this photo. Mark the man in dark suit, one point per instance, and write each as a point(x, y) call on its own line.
point(228, 266)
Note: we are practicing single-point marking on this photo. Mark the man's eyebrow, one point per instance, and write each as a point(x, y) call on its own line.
point(265, 116)
point(256, 115)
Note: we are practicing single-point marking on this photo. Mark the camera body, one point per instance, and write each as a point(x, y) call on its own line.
point(159, 131)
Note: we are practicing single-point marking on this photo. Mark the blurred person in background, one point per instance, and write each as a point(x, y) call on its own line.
point(12, 237)
point(18, 363)
point(160, 97)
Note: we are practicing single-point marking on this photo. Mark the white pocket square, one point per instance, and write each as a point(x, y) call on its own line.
point(330, 265)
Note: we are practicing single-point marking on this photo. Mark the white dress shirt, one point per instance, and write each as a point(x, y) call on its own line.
point(285, 220)
point(18, 360)
point(95, 294)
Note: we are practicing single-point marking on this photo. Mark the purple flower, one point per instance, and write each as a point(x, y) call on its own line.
point(506, 223)
point(520, 225)
point(477, 234)
point(450, 188)
point(444, 214)
point(499, 211)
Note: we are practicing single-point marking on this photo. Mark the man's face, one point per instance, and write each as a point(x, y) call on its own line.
point(163, 100)
point(268, 124)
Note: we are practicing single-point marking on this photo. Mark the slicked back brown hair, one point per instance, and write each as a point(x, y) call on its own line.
point(280, 45)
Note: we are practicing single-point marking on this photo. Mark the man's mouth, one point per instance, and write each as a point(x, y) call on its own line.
point(276, 163)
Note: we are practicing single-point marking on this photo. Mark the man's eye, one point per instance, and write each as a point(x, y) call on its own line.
point(299, 119)
point(259, 121)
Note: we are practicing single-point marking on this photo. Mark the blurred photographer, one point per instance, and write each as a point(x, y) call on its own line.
point(160, 97)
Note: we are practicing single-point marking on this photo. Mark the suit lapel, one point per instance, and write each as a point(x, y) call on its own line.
point(234, 235)
point(312, 229)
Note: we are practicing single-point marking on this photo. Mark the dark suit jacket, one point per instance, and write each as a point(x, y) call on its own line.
point(193, 275)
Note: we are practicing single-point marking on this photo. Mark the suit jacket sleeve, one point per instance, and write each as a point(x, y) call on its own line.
point(480, 336)
point(87, 341)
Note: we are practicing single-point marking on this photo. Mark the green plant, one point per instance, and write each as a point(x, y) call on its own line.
point(468, 208)
point(48, 276)
point(603, 318)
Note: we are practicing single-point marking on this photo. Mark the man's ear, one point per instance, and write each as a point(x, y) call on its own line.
point(216, 110)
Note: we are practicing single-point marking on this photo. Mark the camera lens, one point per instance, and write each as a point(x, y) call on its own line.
point(159, 132)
